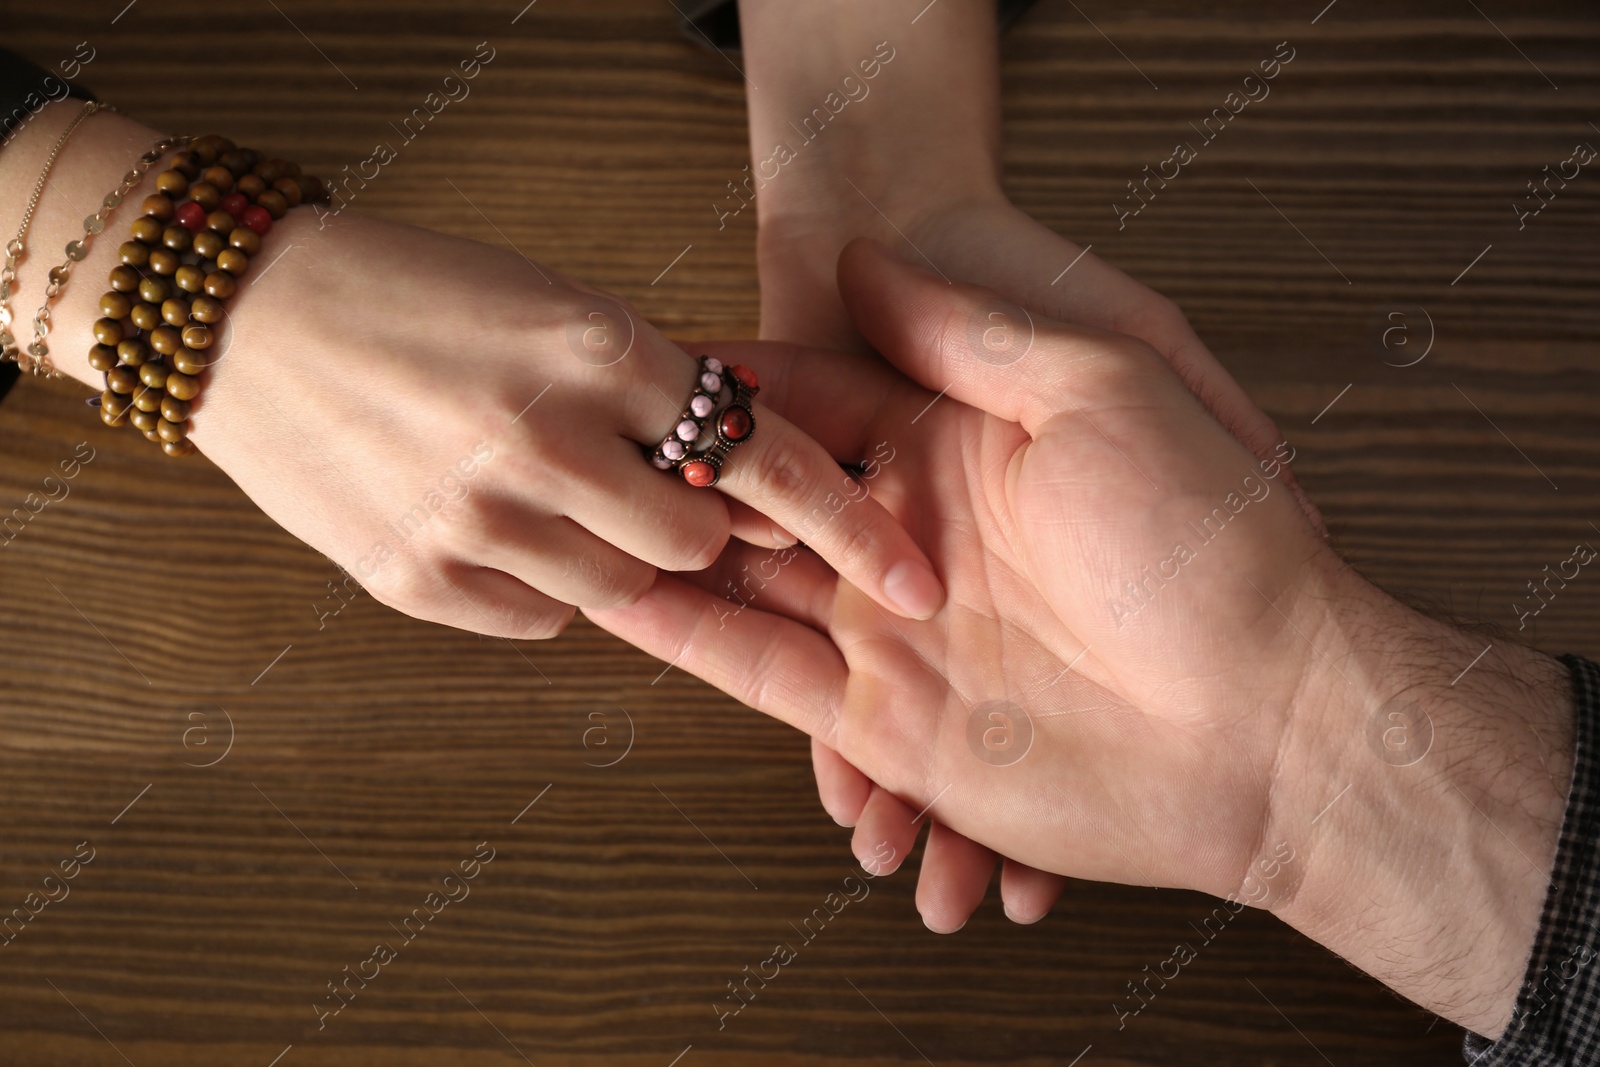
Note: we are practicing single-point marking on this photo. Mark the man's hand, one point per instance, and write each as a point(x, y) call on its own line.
point(1209, 694)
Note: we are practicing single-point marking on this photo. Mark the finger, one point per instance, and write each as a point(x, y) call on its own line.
point(478, 599)
point(554, 555)
point(754, 528)
point(789, 582)
point(609, 488)
point(770, 663)
point(966, 342)
point(955, 875)
point(1028, 893)
point(842, 789)
point(884, 834)
point(787, 476)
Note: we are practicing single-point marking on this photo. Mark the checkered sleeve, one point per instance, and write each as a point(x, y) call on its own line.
point(1556, 1022)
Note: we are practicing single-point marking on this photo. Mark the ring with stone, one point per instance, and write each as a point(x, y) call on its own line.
point(733, 424)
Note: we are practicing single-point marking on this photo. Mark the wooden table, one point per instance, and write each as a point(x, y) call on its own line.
point(371, 754)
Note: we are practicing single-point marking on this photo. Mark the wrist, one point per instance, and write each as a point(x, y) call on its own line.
point(1421, 787)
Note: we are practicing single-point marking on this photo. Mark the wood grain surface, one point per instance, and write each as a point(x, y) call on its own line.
point(371, 755)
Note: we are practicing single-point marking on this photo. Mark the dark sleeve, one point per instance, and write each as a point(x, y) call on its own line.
point(717, 21)
point(24, 91)
point(1556, 1022)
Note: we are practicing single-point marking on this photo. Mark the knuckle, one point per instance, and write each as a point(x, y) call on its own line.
point(692, 555)
point(781, 469)
point(541, 623)
point(607, 584)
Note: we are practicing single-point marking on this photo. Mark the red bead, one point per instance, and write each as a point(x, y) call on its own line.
point(735, 423)
point(699, 472)
point(257, 219)
point(234, 204)
point(191, 216)
point(745, 375)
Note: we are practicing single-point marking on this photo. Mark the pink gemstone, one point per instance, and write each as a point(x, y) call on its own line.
point(714, 365)
point(711, 383)
point(661, 462)
point(688, 430)
point(701, 406)
point(673, 449)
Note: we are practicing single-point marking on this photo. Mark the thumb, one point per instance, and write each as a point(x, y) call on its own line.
point(967, 342)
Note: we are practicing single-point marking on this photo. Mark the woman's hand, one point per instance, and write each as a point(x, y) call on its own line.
point(461, 430)
point(1150, 669)
point(455, 426)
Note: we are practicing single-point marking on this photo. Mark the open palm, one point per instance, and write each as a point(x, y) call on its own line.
point(1052, 487)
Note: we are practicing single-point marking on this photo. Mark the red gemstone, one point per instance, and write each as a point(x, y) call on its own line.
point(234, 204)
point(745, 375)
point(190, 216)
point(735, 423)
point(257, 219)
point(699, 472)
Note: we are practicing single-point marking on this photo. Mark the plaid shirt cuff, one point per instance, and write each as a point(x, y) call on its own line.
point(1556, 1022)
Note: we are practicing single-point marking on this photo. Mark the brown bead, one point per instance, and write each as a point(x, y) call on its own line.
point(189, 278)
point(183, 386)
point(197, 336)
point(172, 182)
point(178, 448)
point(206, 309)
point(166, 339)
point(208, 243)
point(177, 238)
point(289, 189)
point(218, 176)
point(175, 311)
point(221, 285)
point(115, 403)
point(204, 150)
point(124, 279)
point(271, 170)
point(145, 316)
point(237, 162)
point(206, 195)
point(276, 203)
point(164, 261)
point(184, 163)
point(122, 379)
point(312, 190)
point(111, 418)
point(251, 186)
point(157, 207)
point(102, 357)
point(190, 361)
point(115, 305)
point(171, 431)
point(233, 261)
point(146, 398)
point(245, 240)
point(144, 420)
point(133, 254)
point(154, 375)
point(221, 222)
point(147, 230)
point(154, 290)
point(175, 410)
point(133, 351)
point(107, 331)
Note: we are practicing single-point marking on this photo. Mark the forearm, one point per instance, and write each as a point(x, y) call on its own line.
point(848, 92)
point(102, 149)
point(1423, 790)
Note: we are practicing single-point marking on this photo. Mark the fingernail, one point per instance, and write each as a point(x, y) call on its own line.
point(913, 589)
point(936, 930)
point(783, 538)
point(1019, 922)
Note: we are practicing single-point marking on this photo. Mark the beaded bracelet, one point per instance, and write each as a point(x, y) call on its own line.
point(182, 261)
point(9, 352)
